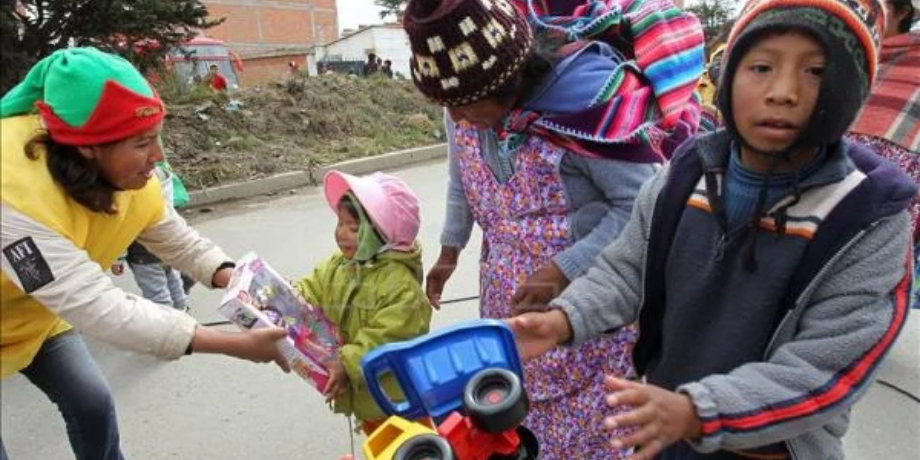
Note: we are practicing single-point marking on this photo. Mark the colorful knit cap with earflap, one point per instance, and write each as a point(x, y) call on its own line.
point(86, 97)
point(850, 33)
point(464, 51)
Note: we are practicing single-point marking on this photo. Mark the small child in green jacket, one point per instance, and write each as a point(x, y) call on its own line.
point(371, 288)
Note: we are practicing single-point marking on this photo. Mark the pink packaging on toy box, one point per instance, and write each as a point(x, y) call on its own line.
point(258, 296)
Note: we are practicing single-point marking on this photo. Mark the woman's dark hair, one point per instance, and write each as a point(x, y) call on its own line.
point(78, 176)
point(537, 66)
point(900, 7)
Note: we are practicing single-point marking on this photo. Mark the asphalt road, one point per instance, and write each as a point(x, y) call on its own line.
point(210, 407)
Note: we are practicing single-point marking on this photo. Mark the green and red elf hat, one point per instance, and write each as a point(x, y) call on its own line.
point(86, 97)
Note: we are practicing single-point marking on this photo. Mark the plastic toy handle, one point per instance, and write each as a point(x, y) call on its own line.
point(375, 368)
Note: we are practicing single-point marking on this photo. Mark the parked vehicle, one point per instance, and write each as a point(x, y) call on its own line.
point(192, 60)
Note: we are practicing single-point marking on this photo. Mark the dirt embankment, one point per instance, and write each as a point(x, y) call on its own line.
point(295, 125)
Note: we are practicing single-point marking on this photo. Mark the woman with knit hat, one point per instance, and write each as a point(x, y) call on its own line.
point(76, 191)
point(889, 120)
point(768, 264)
point(548, 150)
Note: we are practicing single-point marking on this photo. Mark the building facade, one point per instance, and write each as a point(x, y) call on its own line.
point(387, 41)
point(267, 34)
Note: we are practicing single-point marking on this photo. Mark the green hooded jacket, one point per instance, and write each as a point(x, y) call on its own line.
point(372, 303)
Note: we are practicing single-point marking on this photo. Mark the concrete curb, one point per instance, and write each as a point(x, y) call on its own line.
point(383, 162)
point(295, 179)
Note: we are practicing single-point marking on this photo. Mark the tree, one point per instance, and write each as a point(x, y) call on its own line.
point(142, 31)
point(393, 8)
point(714, 15)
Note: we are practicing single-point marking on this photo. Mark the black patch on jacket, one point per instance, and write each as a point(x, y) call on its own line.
point(30, 266)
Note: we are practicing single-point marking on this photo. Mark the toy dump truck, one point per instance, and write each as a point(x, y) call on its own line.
point(468, 379)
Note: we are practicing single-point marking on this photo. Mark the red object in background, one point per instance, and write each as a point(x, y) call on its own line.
point(218, 82)
point(471, 443)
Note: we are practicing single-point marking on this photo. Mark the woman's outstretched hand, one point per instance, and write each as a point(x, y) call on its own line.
point(257, 345)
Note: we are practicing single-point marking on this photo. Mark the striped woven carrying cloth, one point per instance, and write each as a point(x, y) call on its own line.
point(893, 109)
point(650, 99)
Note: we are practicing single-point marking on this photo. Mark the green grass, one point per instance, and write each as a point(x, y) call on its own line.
point(293, 126)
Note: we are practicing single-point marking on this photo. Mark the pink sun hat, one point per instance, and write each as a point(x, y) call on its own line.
point(390, 204)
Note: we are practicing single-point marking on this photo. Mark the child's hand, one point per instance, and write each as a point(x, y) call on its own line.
point(658, 417)
point(118, 268)
point(338, 380)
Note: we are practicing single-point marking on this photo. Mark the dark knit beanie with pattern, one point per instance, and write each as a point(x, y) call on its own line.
point(848, 30)
point(464, 51)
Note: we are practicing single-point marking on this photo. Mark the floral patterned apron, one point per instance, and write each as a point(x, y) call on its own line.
point(524, 223)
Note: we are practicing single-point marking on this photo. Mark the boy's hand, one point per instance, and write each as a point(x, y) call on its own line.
point(118, 268)
point(538, 333)
point(658, 417)
point(542, 286)
point(338, 380)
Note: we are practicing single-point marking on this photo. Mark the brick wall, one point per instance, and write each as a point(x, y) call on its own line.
point(266, 25)
point(261, 70)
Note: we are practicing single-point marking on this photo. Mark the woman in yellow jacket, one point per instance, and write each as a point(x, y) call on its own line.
point(76, 191)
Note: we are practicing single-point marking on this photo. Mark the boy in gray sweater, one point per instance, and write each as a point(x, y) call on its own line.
point(768, 265)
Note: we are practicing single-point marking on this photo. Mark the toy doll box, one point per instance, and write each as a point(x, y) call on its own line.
point(258, 297)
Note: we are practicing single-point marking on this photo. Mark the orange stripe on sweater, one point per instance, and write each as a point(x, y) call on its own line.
point(699, 204)
point(802, 232)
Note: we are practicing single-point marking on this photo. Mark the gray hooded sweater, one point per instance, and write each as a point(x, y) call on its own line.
point(764, 369)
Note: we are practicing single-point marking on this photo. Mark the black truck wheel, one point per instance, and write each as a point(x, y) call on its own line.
point(528, 450)
point(495, 400)
point(424, 447)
